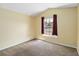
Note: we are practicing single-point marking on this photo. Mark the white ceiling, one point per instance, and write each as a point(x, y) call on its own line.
point(34, 8)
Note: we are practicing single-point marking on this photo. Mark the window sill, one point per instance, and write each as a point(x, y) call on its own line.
point(53, 36)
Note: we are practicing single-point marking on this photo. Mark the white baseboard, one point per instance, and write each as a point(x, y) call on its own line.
point(14, 44)
point(59, 43)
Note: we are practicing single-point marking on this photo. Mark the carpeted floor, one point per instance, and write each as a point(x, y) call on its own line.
point(38, 48)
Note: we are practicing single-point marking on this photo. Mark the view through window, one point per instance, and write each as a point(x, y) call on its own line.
point(48, 25)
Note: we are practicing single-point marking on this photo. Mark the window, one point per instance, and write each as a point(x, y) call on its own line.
point(49, 25)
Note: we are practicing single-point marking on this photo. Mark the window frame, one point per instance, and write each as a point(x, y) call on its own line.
point(54, 32)
point(48, 23)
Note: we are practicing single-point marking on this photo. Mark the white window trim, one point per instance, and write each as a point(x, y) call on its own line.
point(53, 36)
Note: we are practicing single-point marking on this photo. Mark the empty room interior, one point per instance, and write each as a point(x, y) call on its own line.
point(39, 29)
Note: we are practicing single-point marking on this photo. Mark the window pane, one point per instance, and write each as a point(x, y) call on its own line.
point(48, 25)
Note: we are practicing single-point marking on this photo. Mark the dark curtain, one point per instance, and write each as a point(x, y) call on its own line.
point(54, 25)
point(42, 25)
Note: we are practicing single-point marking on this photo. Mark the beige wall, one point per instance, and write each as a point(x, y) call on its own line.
point(67, 26)
point(15, 28)
point(78, 30)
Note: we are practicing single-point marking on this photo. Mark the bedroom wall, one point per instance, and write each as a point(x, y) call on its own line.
point(78, 29)
point(15, 28)
point(67, 26)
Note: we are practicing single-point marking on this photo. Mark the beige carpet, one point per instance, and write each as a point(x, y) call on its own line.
point(38, 48)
